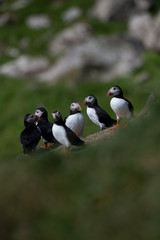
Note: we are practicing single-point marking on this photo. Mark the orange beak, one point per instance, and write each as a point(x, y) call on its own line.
point(55, 116)
point(79, 107)
point(85, 102)
point(109, 93)
point(37, 117)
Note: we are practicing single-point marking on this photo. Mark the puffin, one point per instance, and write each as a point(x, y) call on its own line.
point(120, 105)
point(75, 121)
point(30, 136)
point(63, 134)
point(96, 114)
point(45, 127)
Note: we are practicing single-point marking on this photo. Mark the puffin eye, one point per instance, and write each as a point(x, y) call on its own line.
point(114, 88)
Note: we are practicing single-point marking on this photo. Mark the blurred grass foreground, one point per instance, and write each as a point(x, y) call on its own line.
point(109, 189)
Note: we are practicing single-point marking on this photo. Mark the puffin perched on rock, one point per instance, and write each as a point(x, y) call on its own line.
point(45, 127)
point(30, 136)
point(121, 106)
point(96, 114)
point(63, 134)
point(75, 121)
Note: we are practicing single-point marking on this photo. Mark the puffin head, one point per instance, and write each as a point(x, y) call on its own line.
point(29, 118)
point(57, 116)
point(90, 100)
point(75, 107)
point(115, 91)
point(41, 112)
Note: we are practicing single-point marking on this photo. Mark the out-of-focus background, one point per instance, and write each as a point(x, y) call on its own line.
point(56, 52)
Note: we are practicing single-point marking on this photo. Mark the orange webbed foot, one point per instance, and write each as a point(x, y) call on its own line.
point(116, 126)
point(44, 147)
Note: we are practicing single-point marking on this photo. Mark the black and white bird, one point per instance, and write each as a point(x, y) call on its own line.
point(75, 121)
point(30, 136)
point(63, 134)
point(96, 114)
point(121, 106)
point(45, 127)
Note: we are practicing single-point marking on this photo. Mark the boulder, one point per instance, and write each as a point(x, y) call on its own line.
point(20, 4)
point(38, 21)
point(24, 66)
point(71, 14)
point(99, 57)
point(70, 37)
point(106, 10)
point(146, 29)
point(12, 52)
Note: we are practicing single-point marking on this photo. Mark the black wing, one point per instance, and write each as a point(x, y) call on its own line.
point(74, 140)
point(65, 119)
point(29, 138)
point(46, 131)
point(131, 108)
point(104, 117)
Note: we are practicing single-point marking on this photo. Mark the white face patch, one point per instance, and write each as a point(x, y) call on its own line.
point(73, 106)
point(38, 113)
point(90, 99)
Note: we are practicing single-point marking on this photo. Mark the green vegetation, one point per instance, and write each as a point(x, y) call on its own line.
point(20, 97)
point(106, 191)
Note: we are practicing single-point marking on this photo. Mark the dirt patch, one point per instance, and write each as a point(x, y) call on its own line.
point(107, 133)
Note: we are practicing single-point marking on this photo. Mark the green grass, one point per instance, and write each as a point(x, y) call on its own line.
point(107, 191)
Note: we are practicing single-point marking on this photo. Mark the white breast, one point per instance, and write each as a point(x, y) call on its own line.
point(76, 123)
point(120, 107)
point(94, 118)
point(60, 135)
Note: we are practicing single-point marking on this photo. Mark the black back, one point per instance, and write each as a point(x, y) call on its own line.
point(30, 137)
point(104, 117)
point(131, 108)
point(45, 127)
point(46, 130)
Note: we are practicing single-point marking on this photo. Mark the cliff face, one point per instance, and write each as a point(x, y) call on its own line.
point(71, 40)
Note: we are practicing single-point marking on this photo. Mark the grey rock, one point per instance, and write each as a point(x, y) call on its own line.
point(146, 29)
point(24, 66)
point(12, 52)
point(105, 10)
point(20, 4)
point(70, 37)
point(71, 14)
point(38, 21)
point(102, 57)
